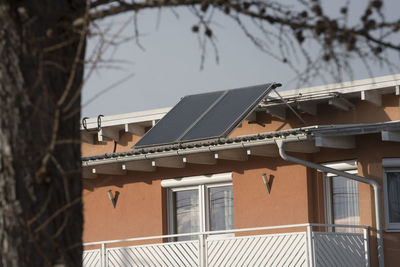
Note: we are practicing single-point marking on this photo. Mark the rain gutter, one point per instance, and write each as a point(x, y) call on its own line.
point(189, 151)
point(377, 195)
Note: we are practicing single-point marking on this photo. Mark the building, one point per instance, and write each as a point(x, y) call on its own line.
point(308, 178)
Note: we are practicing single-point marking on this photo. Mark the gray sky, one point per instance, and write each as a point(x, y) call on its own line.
point(169, 68)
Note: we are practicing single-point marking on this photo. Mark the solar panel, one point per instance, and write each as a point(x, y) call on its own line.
point(178, 119)
point(205, 116)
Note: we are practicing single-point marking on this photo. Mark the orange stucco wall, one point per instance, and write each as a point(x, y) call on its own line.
point(125, 143)
point(141, 205)
point(287, 202)
point(137, 213)
point(296, 195)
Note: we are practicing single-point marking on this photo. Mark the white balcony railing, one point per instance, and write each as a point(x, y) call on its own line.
point(306, 245)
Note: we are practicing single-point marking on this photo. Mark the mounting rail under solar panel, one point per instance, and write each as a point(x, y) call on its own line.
point(205, 116)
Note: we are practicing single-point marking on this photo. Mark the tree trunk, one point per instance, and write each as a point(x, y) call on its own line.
point(41, 72)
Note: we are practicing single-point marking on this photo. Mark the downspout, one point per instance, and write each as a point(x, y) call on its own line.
point(373, 183)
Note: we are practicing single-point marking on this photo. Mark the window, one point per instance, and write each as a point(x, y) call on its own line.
point(200, 203)
point(341, 197)
point(391, 188)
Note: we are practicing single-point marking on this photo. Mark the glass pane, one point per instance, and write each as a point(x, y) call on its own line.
point(221, 208)
point(393, 184)
point(346, 208)
point(187, 214)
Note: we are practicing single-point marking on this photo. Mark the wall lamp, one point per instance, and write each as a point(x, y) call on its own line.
point(114, 198)
point(267, 181)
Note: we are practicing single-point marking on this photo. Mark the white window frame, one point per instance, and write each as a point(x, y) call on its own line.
point(389, 165)
point(202, 183)
point(349, 166)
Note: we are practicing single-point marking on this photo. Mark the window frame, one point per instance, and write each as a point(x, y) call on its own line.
point(206, 204)
point(389, 165)
point(349, 166)
point(202, 184)
point(170, 207)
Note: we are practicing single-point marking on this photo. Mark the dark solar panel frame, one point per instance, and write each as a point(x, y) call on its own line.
point(205, 116)
point(171, 127)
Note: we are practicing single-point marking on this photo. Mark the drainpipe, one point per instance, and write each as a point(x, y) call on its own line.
point(373, 183)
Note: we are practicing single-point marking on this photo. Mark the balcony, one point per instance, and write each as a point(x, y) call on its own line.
point(286, 245)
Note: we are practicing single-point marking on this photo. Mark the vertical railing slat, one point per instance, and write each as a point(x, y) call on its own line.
point(366, 247)
point(310, 246)
point(103, 256)
point(202, 255)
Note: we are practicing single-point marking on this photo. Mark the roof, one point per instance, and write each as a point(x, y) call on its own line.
point(385, 84)
point(145, 117)
point(317, 133)
point(339, 95)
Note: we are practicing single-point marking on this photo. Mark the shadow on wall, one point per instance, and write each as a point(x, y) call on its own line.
point(116, 180)
point(254, 162)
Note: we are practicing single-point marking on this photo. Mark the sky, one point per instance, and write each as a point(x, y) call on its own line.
point(168, 67)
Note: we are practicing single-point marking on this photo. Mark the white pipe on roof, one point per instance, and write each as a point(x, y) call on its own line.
point(377, 193)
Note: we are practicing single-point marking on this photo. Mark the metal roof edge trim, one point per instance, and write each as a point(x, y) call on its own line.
point(291, 135)
point(346, 87)
point(133, 117)
point(188, 151)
